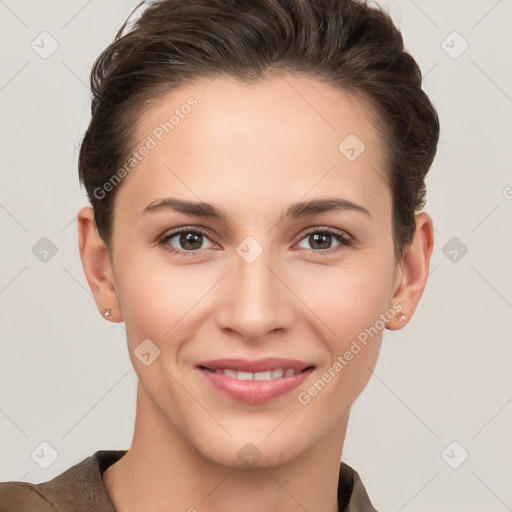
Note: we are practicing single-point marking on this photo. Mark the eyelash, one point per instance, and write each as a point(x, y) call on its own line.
point(340, 236)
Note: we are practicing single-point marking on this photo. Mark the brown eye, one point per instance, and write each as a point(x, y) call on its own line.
point(320, 240)
point(185, 241)
point(190, 241)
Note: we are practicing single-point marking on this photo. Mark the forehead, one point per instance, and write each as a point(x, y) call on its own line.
point(282, 136)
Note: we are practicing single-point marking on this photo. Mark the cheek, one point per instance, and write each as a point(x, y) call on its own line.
point(352, 334)
point(348, 300)
point(153, 296)
point(166, 303)
point(347, 306)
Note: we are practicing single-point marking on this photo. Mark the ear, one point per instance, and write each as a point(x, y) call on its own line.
point(97, 265)
point(413, 272)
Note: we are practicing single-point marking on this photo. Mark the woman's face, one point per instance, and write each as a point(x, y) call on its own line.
point(265, 281)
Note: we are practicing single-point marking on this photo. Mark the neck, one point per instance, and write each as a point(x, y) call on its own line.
point(171, 476)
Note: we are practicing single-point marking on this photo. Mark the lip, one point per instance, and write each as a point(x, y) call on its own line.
point(254, 391)
point(259, 365)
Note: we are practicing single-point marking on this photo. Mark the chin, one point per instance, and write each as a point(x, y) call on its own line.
point(259, 453)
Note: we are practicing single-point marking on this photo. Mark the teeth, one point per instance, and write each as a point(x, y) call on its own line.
point(244, 375)
point(277, 374)
point(266, 375)
point(263, 375)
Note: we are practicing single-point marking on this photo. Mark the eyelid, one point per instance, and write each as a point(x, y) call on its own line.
point(163, 241)
point(332, 231)
point(345, 240)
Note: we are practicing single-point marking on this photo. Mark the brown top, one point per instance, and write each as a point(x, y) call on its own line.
point(81, 489)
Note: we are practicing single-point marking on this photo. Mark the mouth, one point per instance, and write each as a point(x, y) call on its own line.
point(255, 382)
point(278, 373)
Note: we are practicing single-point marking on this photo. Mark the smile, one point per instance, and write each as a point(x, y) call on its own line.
point(265, 375)
point(254, 382)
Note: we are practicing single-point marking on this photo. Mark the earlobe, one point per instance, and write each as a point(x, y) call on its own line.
point(414, 267)
point(97, 266)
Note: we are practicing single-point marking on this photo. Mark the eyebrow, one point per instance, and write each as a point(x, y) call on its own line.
point(206, 210)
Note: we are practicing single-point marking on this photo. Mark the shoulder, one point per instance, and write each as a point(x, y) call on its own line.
point(79, 488)
point(21, 497)
point(352, 494)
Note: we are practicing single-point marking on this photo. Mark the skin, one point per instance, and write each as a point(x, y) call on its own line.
point(252, 150)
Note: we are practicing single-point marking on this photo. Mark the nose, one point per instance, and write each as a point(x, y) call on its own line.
point(255, 299)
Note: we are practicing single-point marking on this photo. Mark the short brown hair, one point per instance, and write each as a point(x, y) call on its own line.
point(344, 43)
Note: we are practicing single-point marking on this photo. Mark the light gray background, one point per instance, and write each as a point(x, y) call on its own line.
point(65, 375)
